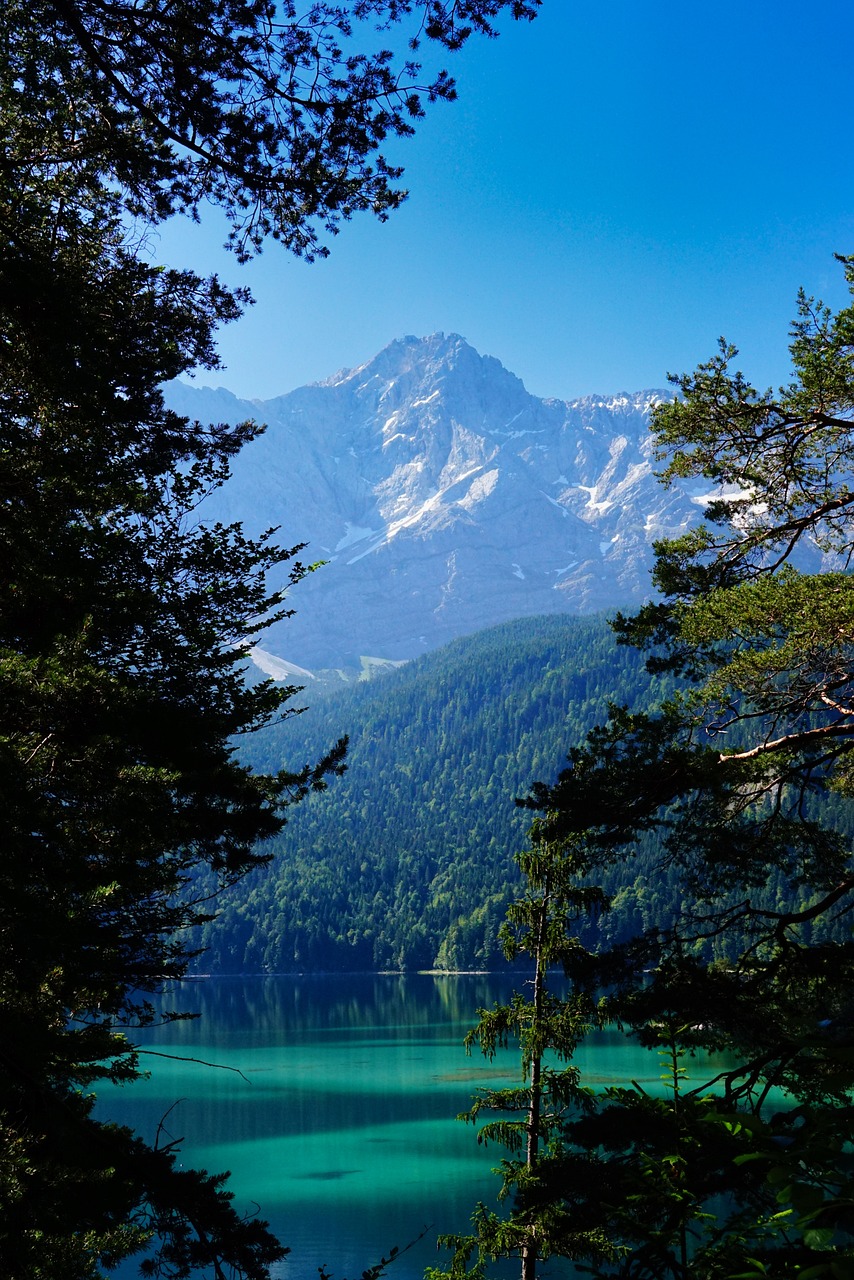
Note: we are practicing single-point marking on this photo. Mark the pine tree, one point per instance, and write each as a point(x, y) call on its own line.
point(124, 617)
point(546, 1024)
point(738, 778)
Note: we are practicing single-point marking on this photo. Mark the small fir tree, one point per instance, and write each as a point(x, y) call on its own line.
point(547, 1026)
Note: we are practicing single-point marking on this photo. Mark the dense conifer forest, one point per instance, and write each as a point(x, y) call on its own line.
point(407, 861)
point(698, 841)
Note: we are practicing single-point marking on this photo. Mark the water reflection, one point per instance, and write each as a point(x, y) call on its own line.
point(333, 1104)
point(277, 1005)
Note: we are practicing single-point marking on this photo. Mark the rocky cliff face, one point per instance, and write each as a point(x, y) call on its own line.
point(444, 498)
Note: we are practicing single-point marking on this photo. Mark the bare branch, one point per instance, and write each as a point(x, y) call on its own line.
point(789, 742)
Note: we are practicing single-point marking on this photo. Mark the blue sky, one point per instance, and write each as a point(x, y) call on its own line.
point(618, 184)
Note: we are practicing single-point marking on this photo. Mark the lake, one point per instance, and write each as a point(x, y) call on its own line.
point(333, 1100)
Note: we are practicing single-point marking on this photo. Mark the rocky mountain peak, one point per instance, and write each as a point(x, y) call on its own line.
point(444, 498)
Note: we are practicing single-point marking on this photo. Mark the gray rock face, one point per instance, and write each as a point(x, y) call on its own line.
point(444, 498)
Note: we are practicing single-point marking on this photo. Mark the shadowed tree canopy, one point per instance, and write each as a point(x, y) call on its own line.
point(275, 112)
point(125, 616)
point(124, 622)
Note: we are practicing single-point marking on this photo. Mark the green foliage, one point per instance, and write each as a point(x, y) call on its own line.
point(124, 621)
point(274, 113)
point(747, 1173)
point(405, 864)
point(538, 927)
point(121, 641)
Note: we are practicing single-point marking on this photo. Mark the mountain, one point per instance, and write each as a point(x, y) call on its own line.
point(444, 498)
point(407, 861)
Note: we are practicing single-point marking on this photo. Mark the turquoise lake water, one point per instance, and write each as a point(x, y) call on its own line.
point(337, 1118)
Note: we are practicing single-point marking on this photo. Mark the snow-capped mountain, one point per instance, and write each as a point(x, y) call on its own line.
point(444, 498)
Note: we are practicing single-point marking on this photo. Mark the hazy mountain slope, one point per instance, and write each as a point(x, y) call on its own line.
point(407, 860)
point(445, 498)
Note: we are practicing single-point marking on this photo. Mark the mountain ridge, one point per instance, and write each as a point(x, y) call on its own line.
point(444, 498)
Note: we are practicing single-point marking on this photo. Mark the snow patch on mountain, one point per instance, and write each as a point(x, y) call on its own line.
point(421, 475)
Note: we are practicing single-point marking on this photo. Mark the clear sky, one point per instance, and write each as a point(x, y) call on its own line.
point(618, 184)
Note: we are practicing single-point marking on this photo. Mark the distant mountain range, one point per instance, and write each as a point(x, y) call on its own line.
point(445, 498)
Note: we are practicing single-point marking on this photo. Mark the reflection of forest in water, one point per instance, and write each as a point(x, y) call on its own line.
point(277, 1011)
point(276, 1007)
point(336, 1110)
point(315, 1054)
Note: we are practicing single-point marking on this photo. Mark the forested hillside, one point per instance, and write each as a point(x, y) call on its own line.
point(407, 860)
